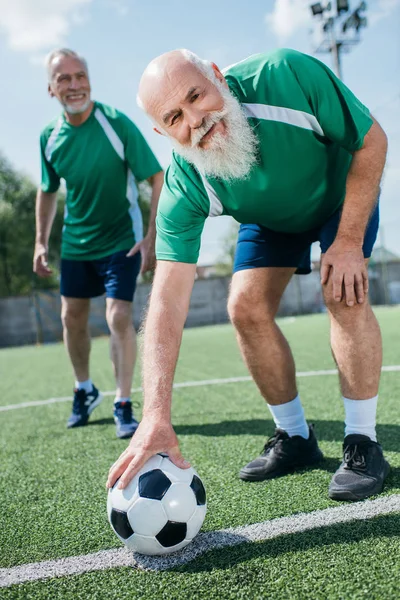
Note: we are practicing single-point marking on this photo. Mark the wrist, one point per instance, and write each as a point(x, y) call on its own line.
point(354, 240)
point(159, 414)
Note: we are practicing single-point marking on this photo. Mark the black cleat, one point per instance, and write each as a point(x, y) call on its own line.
point(362, 472)
point(283, 454)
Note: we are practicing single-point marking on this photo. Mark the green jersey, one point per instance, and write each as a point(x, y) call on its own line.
point(308, 124)
point(101, 162)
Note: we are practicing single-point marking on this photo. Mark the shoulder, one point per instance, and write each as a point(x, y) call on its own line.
point(245, 76)
point(183, 187)
point(49, 128)
point(113, 115)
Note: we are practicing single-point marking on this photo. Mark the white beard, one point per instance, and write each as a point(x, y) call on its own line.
point(77, 110)
point(229, 156)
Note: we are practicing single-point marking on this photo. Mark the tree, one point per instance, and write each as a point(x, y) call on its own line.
point(17, 233)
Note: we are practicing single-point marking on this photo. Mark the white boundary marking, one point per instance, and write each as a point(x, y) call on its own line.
point(122, 557)
point(183, 384)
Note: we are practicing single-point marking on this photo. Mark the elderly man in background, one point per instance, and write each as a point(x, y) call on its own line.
point(102, 156)
point(280, 144)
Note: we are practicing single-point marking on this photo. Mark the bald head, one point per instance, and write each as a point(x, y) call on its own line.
point(167, 71)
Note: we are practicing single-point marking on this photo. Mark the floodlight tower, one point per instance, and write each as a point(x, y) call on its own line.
point(338, 28)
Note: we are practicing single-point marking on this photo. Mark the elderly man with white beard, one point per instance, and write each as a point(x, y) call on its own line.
point(280, 144)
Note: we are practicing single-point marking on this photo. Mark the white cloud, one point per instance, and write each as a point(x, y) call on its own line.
point(37, 25)
point(120, 7)
point(288, 16)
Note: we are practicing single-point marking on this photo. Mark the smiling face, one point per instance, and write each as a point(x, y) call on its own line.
point(203, 120)
point(69, 83)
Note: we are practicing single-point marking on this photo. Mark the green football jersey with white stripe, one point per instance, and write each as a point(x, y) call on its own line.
point(308, 124)
point(101, 162)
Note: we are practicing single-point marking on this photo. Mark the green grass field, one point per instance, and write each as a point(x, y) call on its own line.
point(53, 493)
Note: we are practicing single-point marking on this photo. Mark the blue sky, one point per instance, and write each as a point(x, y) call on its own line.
point(119, 38)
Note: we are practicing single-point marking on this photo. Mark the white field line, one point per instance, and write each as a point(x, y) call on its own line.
point(122, 557)
point(183, 384)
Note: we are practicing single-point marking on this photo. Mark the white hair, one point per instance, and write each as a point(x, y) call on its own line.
point(204, 66)
point(63, 52)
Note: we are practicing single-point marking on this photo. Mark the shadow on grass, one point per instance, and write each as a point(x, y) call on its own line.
point(104, 421)
point(329, 431)
point(387, 526)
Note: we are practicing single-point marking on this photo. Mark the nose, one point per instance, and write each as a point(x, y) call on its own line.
point(74, 83)
point(195, 118)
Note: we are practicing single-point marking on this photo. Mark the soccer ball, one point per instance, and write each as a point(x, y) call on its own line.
point(161, 510)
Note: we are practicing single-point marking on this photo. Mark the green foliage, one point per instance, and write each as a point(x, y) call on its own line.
point(17, 233)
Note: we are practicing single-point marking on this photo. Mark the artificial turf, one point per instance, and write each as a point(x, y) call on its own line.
point(52, 479)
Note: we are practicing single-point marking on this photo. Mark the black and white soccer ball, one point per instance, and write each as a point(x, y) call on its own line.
point(161, 510)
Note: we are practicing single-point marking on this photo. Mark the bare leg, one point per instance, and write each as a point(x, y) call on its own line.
point(356, 346)
point(122, 344)
point(253, 304)
point(75, 316)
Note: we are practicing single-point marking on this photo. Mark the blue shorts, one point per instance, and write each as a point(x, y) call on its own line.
point(258, 246)
point(115, 275)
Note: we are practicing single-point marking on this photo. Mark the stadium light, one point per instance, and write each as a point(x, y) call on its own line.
point(317, 9)
point(342, 6)
point(336, 31)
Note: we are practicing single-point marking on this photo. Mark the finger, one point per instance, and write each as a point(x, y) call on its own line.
point(365, 280)
point(349, 289)
point(176, 457)
point(325, 269)
point(145, 267)
point(134, 250)
point(118, 468)
point(337, 283)
point(133, 468)
point(359, 287)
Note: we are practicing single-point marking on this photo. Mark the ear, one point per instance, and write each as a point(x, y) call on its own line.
point(158, 131)
point(218, 74)
point(50, 91)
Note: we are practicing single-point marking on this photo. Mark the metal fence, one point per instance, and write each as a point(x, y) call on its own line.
point(36, 319)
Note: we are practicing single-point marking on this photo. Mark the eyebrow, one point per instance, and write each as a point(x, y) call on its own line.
point(70, 75)
point(172, 112)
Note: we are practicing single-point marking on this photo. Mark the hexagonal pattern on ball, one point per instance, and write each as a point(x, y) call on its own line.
point(179, 502)
point(195, 523)
point(175, 473)
point(199, 490)
point(172, 534)
point(147, 517)
point(153, 484)
point(122, 499)
point(120, 523)
point(144, 545)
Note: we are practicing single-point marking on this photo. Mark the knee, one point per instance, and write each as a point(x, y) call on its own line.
point(346, 315)
point(73, 319)
point(119, 319)
point(246, 311)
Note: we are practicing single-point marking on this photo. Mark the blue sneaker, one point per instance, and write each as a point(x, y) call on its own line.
point(124, 419)
point(83, 405)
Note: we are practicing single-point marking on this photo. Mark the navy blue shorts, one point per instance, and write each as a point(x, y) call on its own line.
point(258, 246)
point(115, 275)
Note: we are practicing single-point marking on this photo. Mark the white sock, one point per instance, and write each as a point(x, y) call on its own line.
point(290, 418)
point(122, 399)
point(360, 417)
point(84, 385)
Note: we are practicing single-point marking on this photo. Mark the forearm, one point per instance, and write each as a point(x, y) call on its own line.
point(156, 182)
point(362, 185)
point(46, 206)
point(169, 304)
